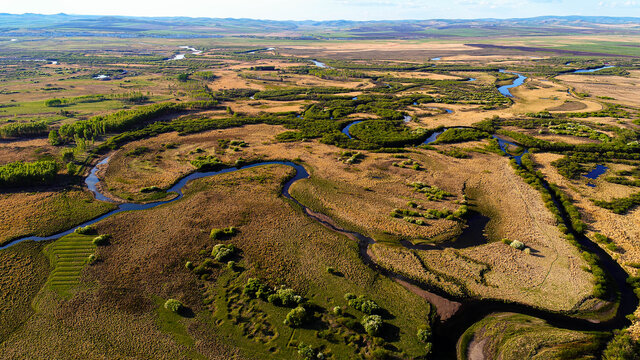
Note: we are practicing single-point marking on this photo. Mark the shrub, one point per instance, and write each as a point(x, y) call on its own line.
point(231, 265)
point(337, 310)
point(622, 347)
point(308, 352)
point(331, 270)
point(53, 103)
point(219, 234)
point(517, 245)
point(285, 297)
point(173, 305)
point(92, 259)
point(424, 334)
point(207, 163)
point(101, 240)
point(189, 265)
point(200, 270)
point(372, 324)
point(296, 317)
point(364, 305)
point(87, 230)
point(256, 289)
point(222, 251)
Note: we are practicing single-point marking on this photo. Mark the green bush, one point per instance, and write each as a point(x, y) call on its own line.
point(101, 240)
point(200, 270)
point(219, 234)
point(296, 317)
point(372, 324)
point(285, 297)
point(173, 305)
point(87, 230)
point(361, 303)
point(207, 163)
point(53, 103)
point(223, 251)
point(256, 289)
point(424, 334)
point(309, 353)
point(517, 245)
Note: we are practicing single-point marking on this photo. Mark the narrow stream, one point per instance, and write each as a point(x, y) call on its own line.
point(582, 71)
point(320, 64)
point(504, 89)
point(193, 50)
point(347, 129)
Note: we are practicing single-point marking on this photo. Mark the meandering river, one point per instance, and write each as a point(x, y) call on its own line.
point(457, 314)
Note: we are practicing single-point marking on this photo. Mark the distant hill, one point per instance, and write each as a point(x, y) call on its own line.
point(12, 25)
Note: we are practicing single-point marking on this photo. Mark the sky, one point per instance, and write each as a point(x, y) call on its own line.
point(329, 9)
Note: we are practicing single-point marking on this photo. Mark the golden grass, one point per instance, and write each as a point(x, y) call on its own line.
point(623, 90)
point(46, 212)
point(23, 270)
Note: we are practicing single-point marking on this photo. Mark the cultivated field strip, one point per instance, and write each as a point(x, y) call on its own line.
point(68, 255)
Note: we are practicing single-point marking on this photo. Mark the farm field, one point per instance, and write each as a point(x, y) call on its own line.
point(271, 194)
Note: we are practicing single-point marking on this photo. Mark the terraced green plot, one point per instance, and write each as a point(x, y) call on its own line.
point(68, 255)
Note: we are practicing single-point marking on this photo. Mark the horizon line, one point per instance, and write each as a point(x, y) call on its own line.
point(637, 18)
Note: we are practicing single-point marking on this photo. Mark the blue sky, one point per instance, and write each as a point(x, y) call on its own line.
point(329, 9)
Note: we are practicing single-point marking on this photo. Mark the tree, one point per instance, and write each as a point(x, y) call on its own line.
point(54, 138)
point(296, 317)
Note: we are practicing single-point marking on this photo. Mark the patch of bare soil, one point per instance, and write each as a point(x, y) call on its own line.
point(476, 348)
point(569, 106)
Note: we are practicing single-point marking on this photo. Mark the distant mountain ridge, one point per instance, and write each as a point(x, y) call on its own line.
point(17, 25)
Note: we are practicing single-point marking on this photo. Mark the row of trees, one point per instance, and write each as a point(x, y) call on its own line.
point(28, 173)
point(121, 120)
point(30, 129)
